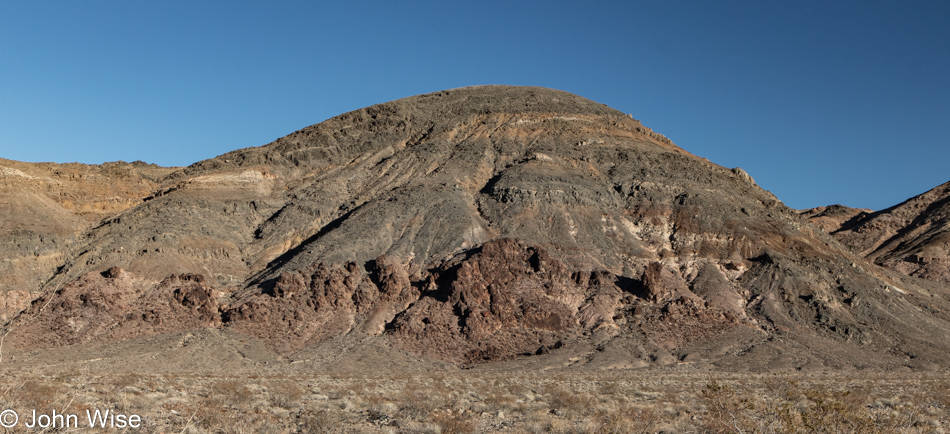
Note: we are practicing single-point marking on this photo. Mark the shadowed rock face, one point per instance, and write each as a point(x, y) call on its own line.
point(486, 224)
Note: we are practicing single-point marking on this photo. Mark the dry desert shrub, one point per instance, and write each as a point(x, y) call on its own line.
point(232, 392)
point(322, 421)
point(788, 407)
point(285, 393)
point(418, 404)
point(38, 394)
point(451, 422)
point(566, 401)
point(628, 420)
point(543, 421)
point(627, 402)
point(209, 413)
point(127, 379)
point(46, 394)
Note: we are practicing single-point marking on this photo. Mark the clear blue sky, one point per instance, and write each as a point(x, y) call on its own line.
point(822, 102)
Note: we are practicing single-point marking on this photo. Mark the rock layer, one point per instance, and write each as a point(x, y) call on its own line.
point(47, 207)
point(912, 238)
point(480, 225)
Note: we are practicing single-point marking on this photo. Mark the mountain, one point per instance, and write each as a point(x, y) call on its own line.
point(831, 218)
point(490, 225)
point(46, 209)
point(912, 238)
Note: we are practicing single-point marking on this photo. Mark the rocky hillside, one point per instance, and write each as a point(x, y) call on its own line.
point(833, 217)
point(912, 238)
point(46, 206)
point(487, 224)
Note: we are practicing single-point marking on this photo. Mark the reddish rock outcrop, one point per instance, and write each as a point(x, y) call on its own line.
point(495, 302)
point(114, 305)
point(308, 306)
point(503, 300)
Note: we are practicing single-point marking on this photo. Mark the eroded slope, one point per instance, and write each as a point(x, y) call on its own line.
point(912, 238)
point(488, 224)
point(46, 207)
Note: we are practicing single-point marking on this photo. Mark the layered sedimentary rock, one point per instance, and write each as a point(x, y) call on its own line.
point(45, 208)
point(912, 237)
point(485, 224)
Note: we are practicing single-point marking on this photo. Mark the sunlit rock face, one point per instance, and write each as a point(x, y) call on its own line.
point(470, 226)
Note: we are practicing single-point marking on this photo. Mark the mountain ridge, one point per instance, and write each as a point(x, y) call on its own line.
point(484, 225)
point(912, 237)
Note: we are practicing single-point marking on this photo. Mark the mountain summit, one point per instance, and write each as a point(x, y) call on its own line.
point(477, 225)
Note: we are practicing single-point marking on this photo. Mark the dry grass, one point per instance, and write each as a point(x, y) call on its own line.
point(620, 402)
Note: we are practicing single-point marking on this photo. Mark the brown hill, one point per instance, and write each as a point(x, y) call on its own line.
point(912, 238)
point(480, 225)
point(46, 206)
point(831, 218)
